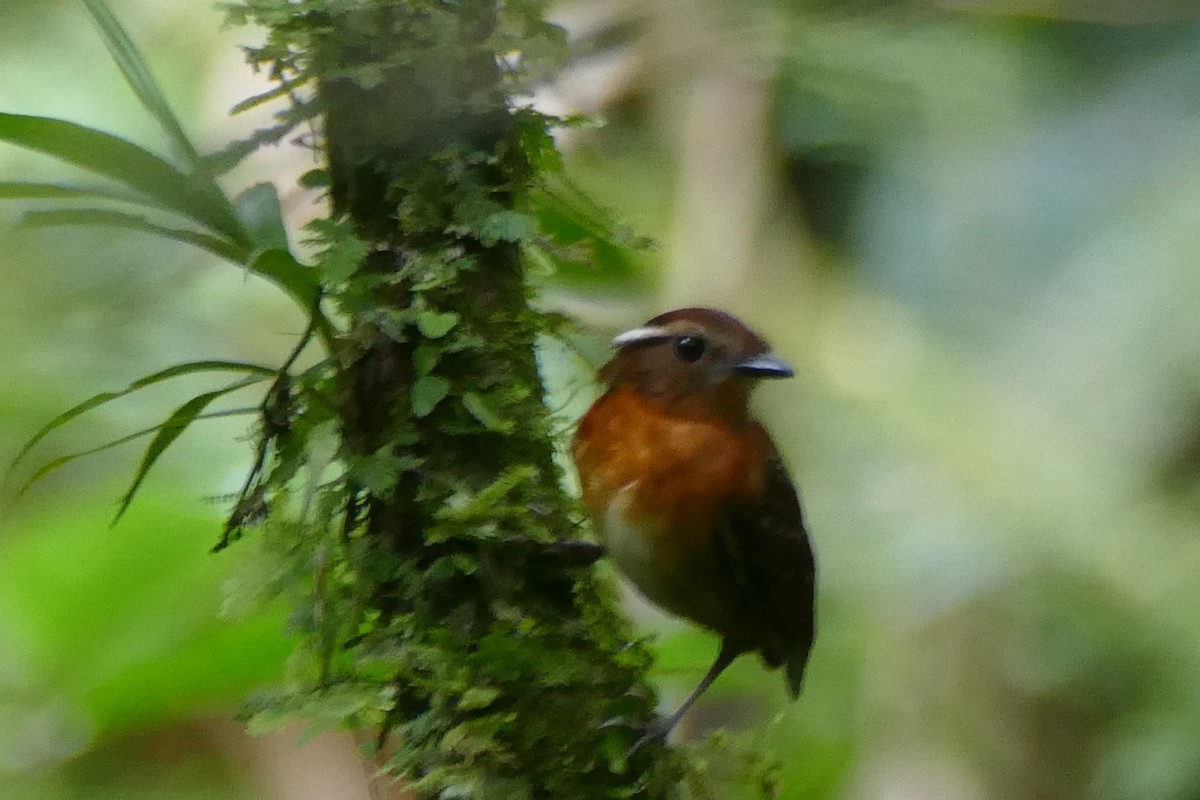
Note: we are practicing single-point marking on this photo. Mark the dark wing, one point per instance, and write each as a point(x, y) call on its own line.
point(768, 555)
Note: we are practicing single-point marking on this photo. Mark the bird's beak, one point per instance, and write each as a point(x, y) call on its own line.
point(766, 365)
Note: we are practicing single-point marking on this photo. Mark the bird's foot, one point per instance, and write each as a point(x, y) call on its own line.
point(657, 733)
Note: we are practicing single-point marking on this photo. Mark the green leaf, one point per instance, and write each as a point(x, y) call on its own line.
point(315, 179)
point(24, 190)
point(582, 239)
point(61, 461)
point(175, 371)
point(258, 208)
point(615, 748)
point(483, 411)
point(427, 392)
point(342, 252)
point(125, 162)
point(237, 151)
point(282, 90)
point(276, 265)
point(379, 472)
point(281, 267)
point(109, 218)
point(300, 281)
point(483, 505)
point(425, 358)
point(478, 697)
point(170, 430)
point(507, 226)
point(436, 324)
point(141, 80)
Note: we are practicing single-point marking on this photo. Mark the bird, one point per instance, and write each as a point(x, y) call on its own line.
point(690, 497)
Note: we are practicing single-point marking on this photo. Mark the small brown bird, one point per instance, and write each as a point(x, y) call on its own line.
point(689, 495)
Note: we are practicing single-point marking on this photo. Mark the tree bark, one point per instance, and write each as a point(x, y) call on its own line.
point(490, 663)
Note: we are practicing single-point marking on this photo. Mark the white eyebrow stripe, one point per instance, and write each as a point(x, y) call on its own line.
point(639, 335)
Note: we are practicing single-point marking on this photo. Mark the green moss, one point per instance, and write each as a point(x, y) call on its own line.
point(409, 482)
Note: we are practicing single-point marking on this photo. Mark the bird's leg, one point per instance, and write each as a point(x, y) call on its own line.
point(724, 658)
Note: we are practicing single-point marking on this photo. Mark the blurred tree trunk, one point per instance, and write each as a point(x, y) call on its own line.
point(718, 110)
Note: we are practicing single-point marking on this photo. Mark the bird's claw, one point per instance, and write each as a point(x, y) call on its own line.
point(658, 732)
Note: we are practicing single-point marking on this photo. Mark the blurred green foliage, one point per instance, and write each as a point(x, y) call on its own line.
point(972, 229)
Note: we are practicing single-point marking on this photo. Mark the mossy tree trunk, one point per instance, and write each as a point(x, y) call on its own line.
point(445, 614)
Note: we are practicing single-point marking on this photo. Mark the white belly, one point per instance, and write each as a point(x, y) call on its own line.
point(632, 550)
point(626, 545)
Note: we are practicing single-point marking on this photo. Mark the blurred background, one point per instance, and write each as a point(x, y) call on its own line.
point(970, 224)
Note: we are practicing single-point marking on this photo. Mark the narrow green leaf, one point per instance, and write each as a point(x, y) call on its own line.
point(239, 150)
point(436, 324)
point(282, 90)
point(427, 392)
point(175, 371)
point(109, 218)
point(23, 190)
point(170, 430)
point(259, 210)
point(300, 281)
point(281, 267)
point(276, 265)
point(125, 162)
point(583, 240)
point(137, 74)
point(61, 461)
point(483, 411)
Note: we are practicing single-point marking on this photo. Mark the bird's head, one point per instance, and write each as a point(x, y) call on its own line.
point(699, 361)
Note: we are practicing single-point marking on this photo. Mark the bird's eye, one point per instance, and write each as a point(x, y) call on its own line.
point(690, 348)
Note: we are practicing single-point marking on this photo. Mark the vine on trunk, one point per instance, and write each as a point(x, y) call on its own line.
point(407, 483)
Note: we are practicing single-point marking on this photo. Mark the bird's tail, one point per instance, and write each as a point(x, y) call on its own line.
point(794, 666)
point(794, 671)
